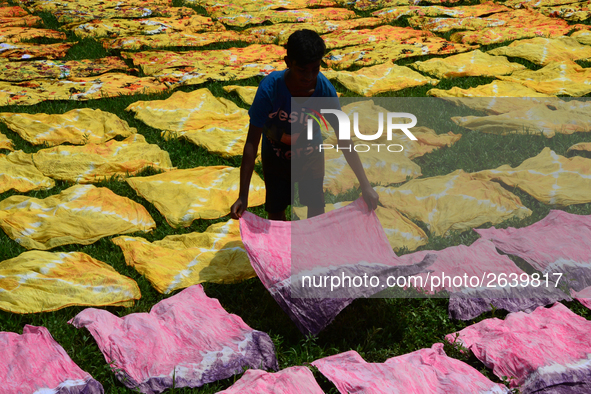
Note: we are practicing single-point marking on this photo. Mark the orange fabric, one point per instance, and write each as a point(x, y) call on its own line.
point(12, 12)
point(307, 15)
point(27, 20)
point(55, 69)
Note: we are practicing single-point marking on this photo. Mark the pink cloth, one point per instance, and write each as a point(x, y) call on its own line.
point(34, 363)
point(547, 351)
point(558, 244)
point(583, 296)
point(348, 241)
point(188, 336)
point(294, 380)
point(426, 371)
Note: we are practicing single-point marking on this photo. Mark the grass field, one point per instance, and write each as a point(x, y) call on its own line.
point(376, 328)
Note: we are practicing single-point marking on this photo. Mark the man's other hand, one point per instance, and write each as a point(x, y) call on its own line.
point(371, 197)
point(239, 207)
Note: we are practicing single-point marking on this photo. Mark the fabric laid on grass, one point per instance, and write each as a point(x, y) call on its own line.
point(225, 7)
point(442, 25)
point(307, 15)
point(35, 363)
point(485, 8)
point(12, 12)
point(386, 77)
point(88, 14)
point(571, 12)
point(353, 238)
point(550, 178)
point(16, 34)
point(182, 196)
point(38, 281)
point(343, 38)
point(557, 245)
point(23, 51)
point(177, 261)
point(187, 340)
point(6, 143)
point(427, 370)
point(470, 64)
point(582, 36)
point(28, 21)
point(546, 351)
point(175, 39)
point(537, 3)
point(566, 78)
point(400, 231)
point(92, 163)
point(371, 54)
point(543, 51)
point(581, 146)
point(81, 214)
point(246, 93)
point(18, 172)
point(496, 35)
point(492, 281)
point(55, 69)
point(583, 296)
point(78, 126)
point(152, 62)
point(52, 6)
point(454, 202)
point(287, 381)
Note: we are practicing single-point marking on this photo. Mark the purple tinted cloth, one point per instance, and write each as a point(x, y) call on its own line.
point(426, 371)
point(35, 363)
point(294, 380)
point(547, 351)
point(188, 336)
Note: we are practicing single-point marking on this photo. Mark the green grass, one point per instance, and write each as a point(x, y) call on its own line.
point(376, 328)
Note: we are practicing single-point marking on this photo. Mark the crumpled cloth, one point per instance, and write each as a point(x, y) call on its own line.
point(83, 14)
point(582, 36)
point(27, 20)
point(343, 38)
point(442, 25)
point(537, 3)
point(175, 39)
point(458, 201)
point(18, 172)
point(485, 8)
point(231, 7)
point(24, 51)
point(81, 214)
point(38, 281)
point(12, 11)
point(246, 93)
point(570, 12)
point(287, 381)
point(35, 363)
point(546, 351)
point(178, 261)
point(543, 51)
point(304, 15)
point(487, 92)
point(581, 146)
point(16, 34)
point(6, 143)
point(470, 64)
point(427, 370)
point(548, 177)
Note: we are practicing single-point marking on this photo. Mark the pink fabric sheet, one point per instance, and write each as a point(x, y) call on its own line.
point(547, 351)
point(34, 363)
point(426, 371)
point(583, 296)
point(188, 336)
point(294, 380)
point(347, 241)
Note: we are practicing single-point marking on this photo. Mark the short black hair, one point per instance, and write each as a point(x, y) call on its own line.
point(305, 46)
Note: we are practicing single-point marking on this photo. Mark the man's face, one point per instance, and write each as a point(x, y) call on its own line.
point(304, 76)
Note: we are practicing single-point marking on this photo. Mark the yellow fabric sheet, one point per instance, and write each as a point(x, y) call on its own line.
point(556, 78)
point(457, 201)
point(442, 25)
point(27, 20)
point(5, 142)
point(582, 36)
point(182, 196)
point(78, 126)
point(38, 281)
point(174, 40)
point(470, 64)
point(52, 6)
point(581, 146)
point(152, 62)
point(216, 255)
point(386, 77)
point(493, 89)
point(124, 27)
point(571, 12)
point(12, 12)
point(73, 17)
point(485, 8)
point(365, 36)
point(543, 51)
point(94, 162)
point(370, 54)
point(81, 214)
point(308, 15)
point(16, 34)
point(55, 69)
point(246, 93)
point(18, 172)
point(401, 232)
point(548, 177)
point(22, 51)
point(228, 7)
point(368, 5)
point(537, 3)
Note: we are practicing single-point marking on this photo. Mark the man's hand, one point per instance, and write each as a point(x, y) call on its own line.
point(371, 197)
point(238, 208)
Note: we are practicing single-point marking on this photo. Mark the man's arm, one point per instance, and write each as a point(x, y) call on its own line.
point(246, 168)
point(370, 196)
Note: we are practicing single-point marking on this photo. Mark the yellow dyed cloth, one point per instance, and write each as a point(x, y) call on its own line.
point(370, 54)
point(177, 261)
point(548, 177)
point(16, 34)
point(368, 5)
point(78, 126)
point(282, 31)
point(227, 7)
point(386, 77)
point(81, 214)
point(486, 8)
point(18, 172)
point(103, 86)
point(27, 20)
point(572, 12)
point(56, 69)
point(12, 12)
point(52, 6)
point(152, 62)
point(365, 36)
point(182, 196)
point(38, 281)
point(487, 93)
point(5, 142)
point(94, 162)
point(246, 93)
point(130, 27)
point(174, 40)
point(22, 51)
point(442, 25)
point(308, 15)
point(582, 36)
point(556, 78)
point(401, 232)
point(537, 3)
point(471, 64)
point(543, 51)
point(85, 14)
point(457, 201)
point(581, 146)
